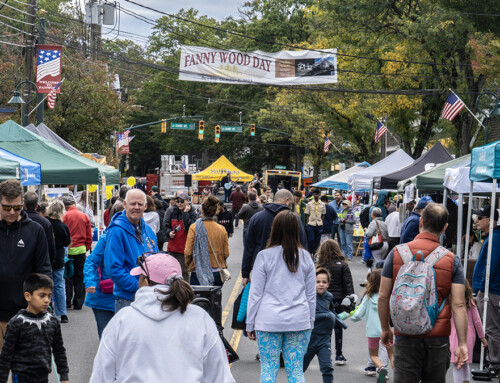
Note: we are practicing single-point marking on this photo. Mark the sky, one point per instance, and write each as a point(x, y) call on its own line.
point(217, 9)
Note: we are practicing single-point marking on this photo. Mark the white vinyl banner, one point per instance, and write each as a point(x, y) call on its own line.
point(281, 68)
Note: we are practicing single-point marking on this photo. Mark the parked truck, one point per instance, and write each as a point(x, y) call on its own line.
point(175, 175)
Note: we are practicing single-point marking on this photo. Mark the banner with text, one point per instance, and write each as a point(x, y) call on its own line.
point(281, 68)
point(48, 67)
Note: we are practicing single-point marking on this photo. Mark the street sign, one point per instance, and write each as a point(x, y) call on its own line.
point(231, 129)
point(280, 167)
point(182, 126)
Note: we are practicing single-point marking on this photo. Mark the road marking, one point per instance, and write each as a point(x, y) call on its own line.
point(235, 341)
point(232, 298)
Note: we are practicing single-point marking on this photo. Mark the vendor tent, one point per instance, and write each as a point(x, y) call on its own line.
point(457, 180)
point(59, 166)
point(31, 172)
point(219, 169)
point(9, 169)
point(435, 156)
point(340, 180)
point(432, 179)
point(362, 180)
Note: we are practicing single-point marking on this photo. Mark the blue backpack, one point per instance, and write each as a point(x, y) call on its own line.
point(414, 304)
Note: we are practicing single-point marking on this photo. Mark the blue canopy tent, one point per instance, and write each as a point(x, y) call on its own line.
point(31, 172)
point(340, 180)
point(484, 167)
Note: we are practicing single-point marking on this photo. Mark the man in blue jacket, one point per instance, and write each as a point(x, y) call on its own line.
point(127, 237)
point(479, 281)
point(259, 229)
point(411, 227)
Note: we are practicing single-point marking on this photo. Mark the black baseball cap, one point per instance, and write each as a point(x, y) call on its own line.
point(485, 212)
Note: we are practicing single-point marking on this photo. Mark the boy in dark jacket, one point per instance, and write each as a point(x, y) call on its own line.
point(32, 336)
point(225, 218)
point(321, 337)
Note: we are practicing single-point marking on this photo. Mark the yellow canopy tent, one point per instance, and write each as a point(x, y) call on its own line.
point(219, 169)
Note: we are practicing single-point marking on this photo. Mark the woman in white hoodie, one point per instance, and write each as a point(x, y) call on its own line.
point(161, 337)
point(282, 300)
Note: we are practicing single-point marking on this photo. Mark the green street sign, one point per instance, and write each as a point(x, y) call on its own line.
point(182, 126)
point(280, 167)
point(231, 129)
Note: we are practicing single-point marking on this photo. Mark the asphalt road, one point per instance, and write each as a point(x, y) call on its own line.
point(81, 341)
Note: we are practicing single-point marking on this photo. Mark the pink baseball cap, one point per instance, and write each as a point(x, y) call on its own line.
point(159, 266)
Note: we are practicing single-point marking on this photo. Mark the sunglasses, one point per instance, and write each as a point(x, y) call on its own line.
point(10, 207)
point(480, 217)
point(179, 200)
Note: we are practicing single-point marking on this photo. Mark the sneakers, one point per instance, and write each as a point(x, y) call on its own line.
point(64, 319)
point(382, 374)
point(340, 360)
point(370, 371)
point(494, 373)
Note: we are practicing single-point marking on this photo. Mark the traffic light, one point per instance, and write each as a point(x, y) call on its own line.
point(217, 133)
point(164, 126)
point(252, 130)
point(201, 129)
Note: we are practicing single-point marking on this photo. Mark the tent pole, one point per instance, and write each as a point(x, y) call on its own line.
point(467, 235)
point(460, 224)
point(488, 258)
point(98, 223)
point(445, 198)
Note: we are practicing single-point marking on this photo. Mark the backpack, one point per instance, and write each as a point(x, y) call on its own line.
point(414, 300)
point(364, 217)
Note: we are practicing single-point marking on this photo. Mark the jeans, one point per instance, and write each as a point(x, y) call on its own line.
point(336, 231)
point(293, 344)
point(195, 282)
point(421, 359)
point(227, 193)
point(75, 289)
point(313, 238)
point(235, 213)
point(346, 240)
point(59, 295)
point(321, 345)
point(121, 303)
point(102, 318)
point(338, 329)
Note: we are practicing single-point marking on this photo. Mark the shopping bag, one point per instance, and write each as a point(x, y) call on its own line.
point(236, 324)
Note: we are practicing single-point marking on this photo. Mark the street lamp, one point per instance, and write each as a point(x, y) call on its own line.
point(495, 112)
point(17, 99)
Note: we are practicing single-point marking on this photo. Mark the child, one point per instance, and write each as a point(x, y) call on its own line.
point(369, 307)
point(321, 343)
point(32, 336)
point(463, 375)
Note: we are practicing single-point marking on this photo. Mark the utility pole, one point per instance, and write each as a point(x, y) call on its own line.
point(383, 144)
point(30, 47)
point(39, 98)
point(95, 30)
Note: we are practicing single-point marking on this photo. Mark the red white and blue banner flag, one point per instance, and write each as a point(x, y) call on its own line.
point(452, 107)
point(381, 130)
point(48, 67)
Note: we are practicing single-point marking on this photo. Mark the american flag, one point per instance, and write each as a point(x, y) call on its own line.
point(49, 63)
point(452, 107)
point(327, 143)
point(183, 168)
point(51, 98)
point(381, 130)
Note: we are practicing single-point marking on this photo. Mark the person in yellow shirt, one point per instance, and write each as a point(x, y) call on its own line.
point(315, 213)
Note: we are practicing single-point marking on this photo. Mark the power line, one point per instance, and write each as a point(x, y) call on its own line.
point(16, 45)
point(285, 44)
point(17, 29)
point(17, 9)
point(16, 20)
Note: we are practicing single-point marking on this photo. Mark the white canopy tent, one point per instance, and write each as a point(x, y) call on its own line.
point(362, 180)
point(340, 180)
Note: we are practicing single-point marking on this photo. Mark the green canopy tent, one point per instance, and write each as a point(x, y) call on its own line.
point(432, 179)
point(59, 166)
point(9, 169)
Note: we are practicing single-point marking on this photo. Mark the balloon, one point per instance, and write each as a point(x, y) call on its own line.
point(109, 188)
point(92, 188)
point(131, 181)
point(109, 194)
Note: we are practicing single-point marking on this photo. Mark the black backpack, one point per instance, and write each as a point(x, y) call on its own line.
point(364, 217)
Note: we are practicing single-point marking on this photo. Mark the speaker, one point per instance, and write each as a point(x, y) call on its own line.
point(188, 180)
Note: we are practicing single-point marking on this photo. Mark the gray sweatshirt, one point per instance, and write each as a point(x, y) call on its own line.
point(280, 300)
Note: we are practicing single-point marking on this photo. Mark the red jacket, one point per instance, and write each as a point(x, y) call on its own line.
point(79, 228)
point(238, 198)
point(427, 242)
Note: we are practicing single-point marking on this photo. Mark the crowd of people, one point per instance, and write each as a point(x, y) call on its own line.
point(137, 280)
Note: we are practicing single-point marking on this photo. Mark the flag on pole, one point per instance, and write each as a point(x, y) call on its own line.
point(381, 130)
point(51, 98)
point(452, 107)
point(183, 168)
point(327, 143)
